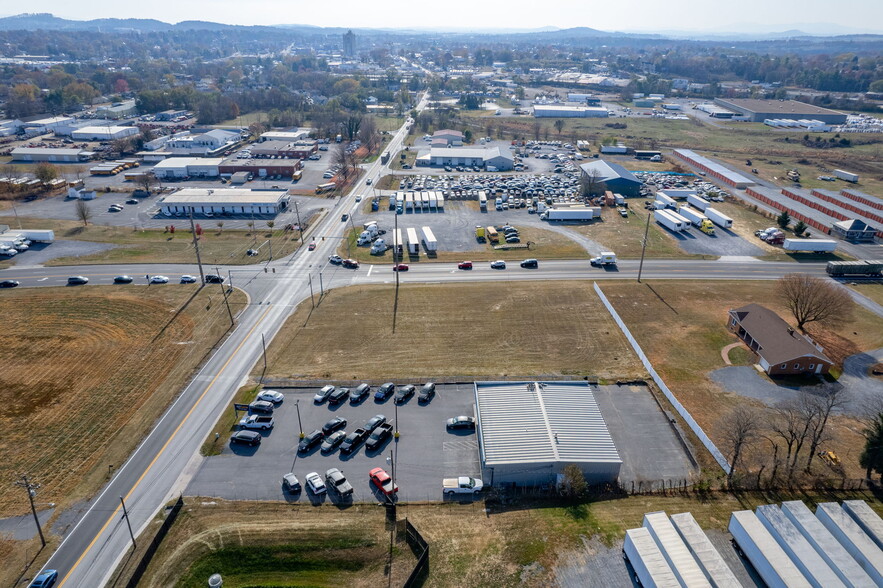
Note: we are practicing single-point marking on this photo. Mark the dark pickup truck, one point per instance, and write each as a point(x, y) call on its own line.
point(353, 440)
point(379, 436)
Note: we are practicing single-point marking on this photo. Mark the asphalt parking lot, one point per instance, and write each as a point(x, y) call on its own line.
point(724, 242)
point(424, 453)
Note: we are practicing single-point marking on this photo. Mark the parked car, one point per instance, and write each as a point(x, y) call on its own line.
point(400, 267)
point(159, 280)
point(257, 421)
point(291, 483)
point(374, 422)
point(315, 483)
point(530, 263)
point(123, 280)
point(333, 425)
point(44, 579)
point(185, 279)
point(77, 280)
point(310, 440)
point(335, 479)
point(261, 406)
point(271, 396)
point(333, 440)
point(384, 391)
point(351, 263)
point(360, 392)
point(9, 283)
point(335, 259)
point(214, 279)
point(464, 265)
point(499, 264)
point(427, 392)
point(461, 422)
point(338, 396)
point(323, 394)
point(353, 440)
point(513, 239)
point(383, 482)
point(246, 438)
point(403, 394)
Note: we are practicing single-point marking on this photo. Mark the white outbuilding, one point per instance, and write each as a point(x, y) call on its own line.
point(224, 201)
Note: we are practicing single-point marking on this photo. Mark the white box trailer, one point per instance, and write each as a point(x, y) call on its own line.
point(665, 201)
point(38, 235)
point(432, 200)
point(846, 176)
point(647, 560)
point(869, 521)
point(671, 220)
point(836, 556)
point(429, 241)
point(397, 244)
point(409, 201)
point(571, 213)
point(718, 218)
point(413, 241)
point(482, 200)
point(694, 216)
point(814, 245)
point(706, 554)
point(804, 556)
point(761, 549)
point(439, 201)
point(679, 558)
point(424, 198)
point(861, 547)
point(698, 201)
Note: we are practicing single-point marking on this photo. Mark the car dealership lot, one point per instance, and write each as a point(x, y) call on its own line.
point(424, 453)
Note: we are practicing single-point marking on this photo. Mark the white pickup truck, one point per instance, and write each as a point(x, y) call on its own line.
point(462, 485)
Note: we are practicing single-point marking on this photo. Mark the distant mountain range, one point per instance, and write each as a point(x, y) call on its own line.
point(49, 22)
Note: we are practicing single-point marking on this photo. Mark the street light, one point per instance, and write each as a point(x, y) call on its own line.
point(299, 424)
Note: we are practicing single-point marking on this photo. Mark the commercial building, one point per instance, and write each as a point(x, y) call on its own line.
point(495, 157)
point(167, 115)
point(451, 137)
point(288, 136)
point(203, 144)
point(589, 99)
point(759, 110)
point(261, 168)
point(566, 111)
point(854, 230)
point(187, 167)
point(349, 44)
point(10, 127)
point(46, 125)
point(285, 149)
point(103, 133)
point(117, 111)
point(615, 177)
point(715, 169)
point(528, 432)
point(225, 201)
point(51, 154)
point(781, 349)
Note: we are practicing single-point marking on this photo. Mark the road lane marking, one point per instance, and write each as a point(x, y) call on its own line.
point(165, 445)
point(370, 269)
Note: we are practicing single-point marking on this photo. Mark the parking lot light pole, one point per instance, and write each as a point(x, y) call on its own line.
point(300, 425)
point(396, 434)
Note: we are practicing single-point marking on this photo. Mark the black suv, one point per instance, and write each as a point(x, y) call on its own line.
point(310, 441)
point(213, 279)
point(427, 392)
point(530, 263)
point(404, 393)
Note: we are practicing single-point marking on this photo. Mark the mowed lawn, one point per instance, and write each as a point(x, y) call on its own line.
point(452, 330)
point(86, 371)
point(681, 326)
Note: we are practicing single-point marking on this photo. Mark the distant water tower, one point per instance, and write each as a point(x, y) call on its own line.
point(215, 581)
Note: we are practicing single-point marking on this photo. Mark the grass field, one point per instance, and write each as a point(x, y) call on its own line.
point(217, 245)
point(682, 327)
point(86, 371)
point(397, 161)
point(468, 546)
point(873, 291)
point(480, 330)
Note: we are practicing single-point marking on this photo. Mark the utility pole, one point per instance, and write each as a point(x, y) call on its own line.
point(312, 301)
point(643, 248)
point(395, 261)
point(196, 247)
point(128, 523)
point(32, 491)
point(224, 294)
point(264, 344)
point(321, 289)
point(300, 227)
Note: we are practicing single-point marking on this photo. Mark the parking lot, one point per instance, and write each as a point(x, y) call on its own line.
point(424, 453)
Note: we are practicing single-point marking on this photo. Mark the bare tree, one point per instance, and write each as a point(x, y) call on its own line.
point(741, 429)
point(559, 125)
point(346, 161)
point(220, 226)
point(789, 424)
point(84, 213)
point(146, 181)
point(537, 129)
point(368, 132)
point(351, 126)
point(591, 183)
point(832, 397)
point(812, 299)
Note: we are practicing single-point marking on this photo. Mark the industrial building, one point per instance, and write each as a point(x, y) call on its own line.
point(528, 432)
point(261, 168)
point(103, 133)
point(615, 177)
point(566, 111)
point(288, 136)
point(167, 115)
point(117, 111)
point(46, 125)
point(9, 127)
point(285, 149)
point(757, 110)
point(715, 169)
point(202, 144)
point(52, 154)
point(495, 157)
point(589, 99)
point(781, 349)
point(187, 167)
point(449, 136)
point(225, 201)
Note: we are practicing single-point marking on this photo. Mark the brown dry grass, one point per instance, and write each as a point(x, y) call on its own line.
point(86, 372)
point(481, 330)
point(873, 291)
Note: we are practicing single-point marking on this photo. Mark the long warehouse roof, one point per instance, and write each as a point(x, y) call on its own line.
point(714, 166)
point(219, 195)
point(530, 422)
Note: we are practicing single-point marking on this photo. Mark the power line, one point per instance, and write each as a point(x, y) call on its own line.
point(31, 489)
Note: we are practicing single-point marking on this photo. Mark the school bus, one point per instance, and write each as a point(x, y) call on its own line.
point(492, 235)
point(322, 188)
point(297, 175)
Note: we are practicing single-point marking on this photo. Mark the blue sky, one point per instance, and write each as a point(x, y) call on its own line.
point(614, 15)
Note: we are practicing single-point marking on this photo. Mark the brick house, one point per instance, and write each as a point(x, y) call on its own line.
point(781, 349)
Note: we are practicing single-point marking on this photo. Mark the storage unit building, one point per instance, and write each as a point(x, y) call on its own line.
point(528, 432)
point(764, 552)
point(853, 539)
point(675, 551)
point(707, 556)
point(802, 554)
point(647, 560)
point(836, 556)
point(714, 169)
point(232, 201)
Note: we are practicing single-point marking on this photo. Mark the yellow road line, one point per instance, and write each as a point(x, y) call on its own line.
point(166, 444)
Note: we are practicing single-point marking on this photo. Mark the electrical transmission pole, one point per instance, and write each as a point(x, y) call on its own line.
point(643, 248)
point(32, 491)
point(196, 246)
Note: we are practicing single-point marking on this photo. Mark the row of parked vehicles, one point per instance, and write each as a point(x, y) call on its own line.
point(338, 483)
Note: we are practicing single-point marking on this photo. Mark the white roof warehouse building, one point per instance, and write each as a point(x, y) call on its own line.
point(529, 431)
point(481, 157)
point(567, 111)
point(53, 154)
point(225, 201)
point(103, 133)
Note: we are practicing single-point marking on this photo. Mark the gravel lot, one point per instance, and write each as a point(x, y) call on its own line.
point(40, 253)
point(724, 242)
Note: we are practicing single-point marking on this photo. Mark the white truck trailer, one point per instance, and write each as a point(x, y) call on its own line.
point(647, 560)
point(861, 547)
point(697, 219)
point(867, 519)
point(663, 201)
point(440, 201)
point(813, 245)
point(576, 213)
point(718, 218)
point(761, 549)
point(846, 176)
point(605, 258)
point(675, 551)
point(398, 246)
point(461, 485)
point(413, 241)
point(432, 201)
point(482, 201)
point(698, 201)
point(706, 554)
point(409, 201)
point(664, 218)
point(424, 199)
point(430, 244)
